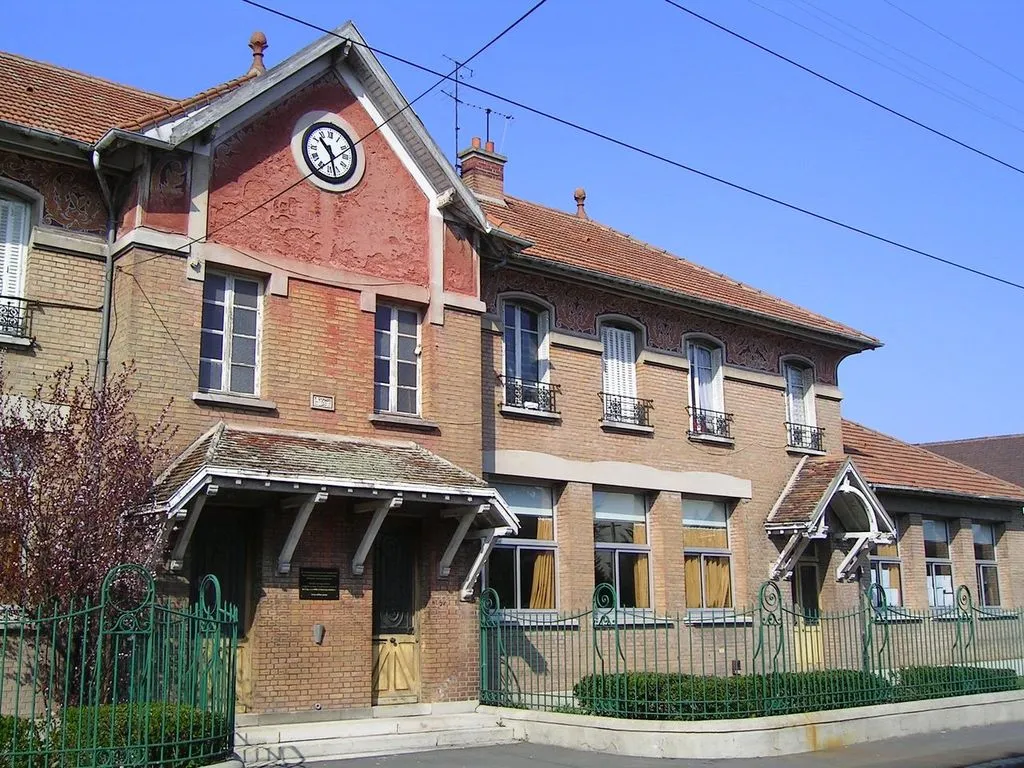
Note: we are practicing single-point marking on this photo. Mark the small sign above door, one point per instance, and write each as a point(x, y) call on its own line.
point(319, 584)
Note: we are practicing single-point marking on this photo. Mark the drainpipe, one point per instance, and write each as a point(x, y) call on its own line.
point(103, 353)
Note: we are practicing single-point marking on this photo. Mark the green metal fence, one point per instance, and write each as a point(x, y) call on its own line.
point(770, 659)
point(126, 680)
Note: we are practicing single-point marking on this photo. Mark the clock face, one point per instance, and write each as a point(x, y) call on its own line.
point(329, 152)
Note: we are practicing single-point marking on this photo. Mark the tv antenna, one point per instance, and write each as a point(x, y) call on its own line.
point(459, 66)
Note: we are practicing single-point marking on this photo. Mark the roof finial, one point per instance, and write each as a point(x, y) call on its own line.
point(581, 199)
point(258, 44)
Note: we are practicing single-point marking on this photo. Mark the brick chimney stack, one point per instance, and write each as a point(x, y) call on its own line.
point(483, 170)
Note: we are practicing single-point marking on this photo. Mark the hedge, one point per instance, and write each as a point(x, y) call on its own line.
point(28, 740)
point(666, 696)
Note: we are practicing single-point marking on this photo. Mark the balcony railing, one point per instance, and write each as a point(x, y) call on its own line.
point(531, 395)
point(622, 409)
point(713, 423)
point(14, 317)
point(806, 436)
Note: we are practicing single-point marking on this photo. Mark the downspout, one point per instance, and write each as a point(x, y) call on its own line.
point(103, 353)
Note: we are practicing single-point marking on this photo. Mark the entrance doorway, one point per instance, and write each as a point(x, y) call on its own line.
point(807, 639)
point(396, 661)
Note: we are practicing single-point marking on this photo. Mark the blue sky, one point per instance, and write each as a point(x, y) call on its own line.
point(651, 75)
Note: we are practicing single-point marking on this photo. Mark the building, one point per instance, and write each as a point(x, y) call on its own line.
point(389, 379)
point(999, 455)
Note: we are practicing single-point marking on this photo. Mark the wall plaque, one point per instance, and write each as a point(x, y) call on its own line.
point(319, 584)
point(321, 402)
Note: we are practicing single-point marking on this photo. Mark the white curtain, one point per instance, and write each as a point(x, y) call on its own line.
point(618, 363)
point(13, 237)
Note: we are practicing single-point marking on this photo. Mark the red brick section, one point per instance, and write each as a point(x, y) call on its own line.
point(1000, 455)
point(567, 239)
point(886, 461)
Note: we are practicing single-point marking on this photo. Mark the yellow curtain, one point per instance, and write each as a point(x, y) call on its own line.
point(705, 538)
point(542, 592)
point(641, 571)
point(719, 582)
point(691, 580)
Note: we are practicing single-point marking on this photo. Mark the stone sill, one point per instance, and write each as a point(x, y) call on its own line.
point(529, 413)
point(402, 420)
point(699, 437)
point(619, 426)
point(15, 341)
point(798, 451)
point(222, 399)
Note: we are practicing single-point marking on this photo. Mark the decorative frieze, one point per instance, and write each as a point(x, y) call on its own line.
point(71, 196)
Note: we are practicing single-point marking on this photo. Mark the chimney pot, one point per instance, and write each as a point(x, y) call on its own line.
point(580, 196)
point(258, 44)
point(476, 142)
point(489, 146)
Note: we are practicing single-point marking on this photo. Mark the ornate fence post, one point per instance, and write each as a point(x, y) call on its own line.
point(769, 620)
point(964, 619)
point(489, 612)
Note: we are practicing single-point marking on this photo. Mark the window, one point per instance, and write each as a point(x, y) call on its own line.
point(706, 561)
point(937, 563)
point(229, 348)
point(522, 567)
point(707, 402)
point(985, 562)
point(618, 376)
point(396, 361)
point(526, 364)
point(622, 552)
point(14, 227)
point(800, 412)
point(885, 572)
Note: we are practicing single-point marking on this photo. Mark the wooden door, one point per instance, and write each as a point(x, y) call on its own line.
point(809, 649)
point(396, 662)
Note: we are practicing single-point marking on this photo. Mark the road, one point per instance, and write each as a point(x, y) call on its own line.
point(996, 746)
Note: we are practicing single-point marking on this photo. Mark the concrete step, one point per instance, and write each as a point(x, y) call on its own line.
point(350, 729)
point(343, 747)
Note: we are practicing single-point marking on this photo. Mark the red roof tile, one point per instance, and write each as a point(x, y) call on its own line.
point(178, 108)
point(800, 501)
point(999, 455)
point(569, 240)
point(886, 461)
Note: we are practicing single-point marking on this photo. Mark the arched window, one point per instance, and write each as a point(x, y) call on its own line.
point(14, 231)
point(618, 377)
point(801, 419)
point(707, 398)
point(526, 356)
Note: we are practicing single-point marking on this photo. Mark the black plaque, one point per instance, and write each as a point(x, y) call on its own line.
point(319, 584)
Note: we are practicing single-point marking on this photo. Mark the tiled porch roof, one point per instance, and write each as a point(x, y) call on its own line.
point(294, 456)
point(808, 485)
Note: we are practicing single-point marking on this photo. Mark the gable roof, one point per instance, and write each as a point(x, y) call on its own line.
point(999, 455)
point(891, 464)
point(562, 238)
point(810, 481)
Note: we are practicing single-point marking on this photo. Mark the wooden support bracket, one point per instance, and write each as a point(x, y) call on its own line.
point(465, 521)
point(380, 511)
point(284, 561)
point(178, 553)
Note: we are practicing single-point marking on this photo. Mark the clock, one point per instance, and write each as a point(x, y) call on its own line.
point(327, 151)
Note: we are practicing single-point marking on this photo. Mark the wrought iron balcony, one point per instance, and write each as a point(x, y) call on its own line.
point(14, 317)
point(806, 436)
point(713, 423)
point(531, 395)
point(622, 409)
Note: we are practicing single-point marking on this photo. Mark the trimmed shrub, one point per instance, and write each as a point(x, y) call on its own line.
point(663, 696)
point(168, 735)
point(27, 736)
point(937, 682)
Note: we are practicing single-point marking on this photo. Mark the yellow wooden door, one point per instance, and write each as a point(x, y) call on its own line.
point(396, 659)
point(808, 645)
point(396, 669)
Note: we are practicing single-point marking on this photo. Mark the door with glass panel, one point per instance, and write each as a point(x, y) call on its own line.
point(395, 647)
point(809, 650)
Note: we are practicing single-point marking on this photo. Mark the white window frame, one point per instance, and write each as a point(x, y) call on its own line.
point(981, 564)
point(876, 562)
point(702, 552)
point(931, 563)
point(543, 346)
point(518, 544)
point(393, 361)
point(806, 373)
point(228, 332)
point(717, 398)
point(616, 548)
point(14, 258)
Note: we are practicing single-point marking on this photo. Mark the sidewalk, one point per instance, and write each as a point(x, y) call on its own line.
point(998, 746)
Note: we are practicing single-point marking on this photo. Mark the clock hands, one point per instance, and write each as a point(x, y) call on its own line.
point(330, 152)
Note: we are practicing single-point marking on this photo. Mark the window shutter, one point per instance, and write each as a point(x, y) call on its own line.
point(795, 395)
point(618, 363)
point(543, 346)
point(717, 376)
point(808, 382)
point(13, 221)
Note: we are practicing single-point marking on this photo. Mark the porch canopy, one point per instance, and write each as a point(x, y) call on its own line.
point(827, 498)
point(308, 469)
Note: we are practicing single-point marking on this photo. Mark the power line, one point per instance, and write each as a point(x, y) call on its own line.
point(957, 43)
point(662, 158)
point(847, 89)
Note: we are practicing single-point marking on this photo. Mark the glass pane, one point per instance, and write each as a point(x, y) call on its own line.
point(705, 538)
point(407, 322)
point(988, 585)
point(936, 549)
point(537, 578)
point(243, 379)
point(407, 375)
point(703, 511)
point(382, 344)
point(243, 350)
point(529, 320)
point(940, 584)
point(407, 401)
point(244, 321)
point(214, 287)
point(381, 400)
point(209, 374)
point(407, 348)
point(634, 584)
point(608, 532)
point(887, 576)
point(381, 371)
point(510, 354)
point(984, 541)
point(501, 575)
point(611, 505)
point(530, 356)
point(717, 582)
point(247, 293)
point(604, 567)
point(526, 499)
point(691, 579)
point(211, 345)
point(213, 316)
point(382, 320)
point(532, 527)
point(510, 316)
point(885, 550)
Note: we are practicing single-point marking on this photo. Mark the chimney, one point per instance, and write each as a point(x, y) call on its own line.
point(483, 170)
point(581, 198)
point(258, 44)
